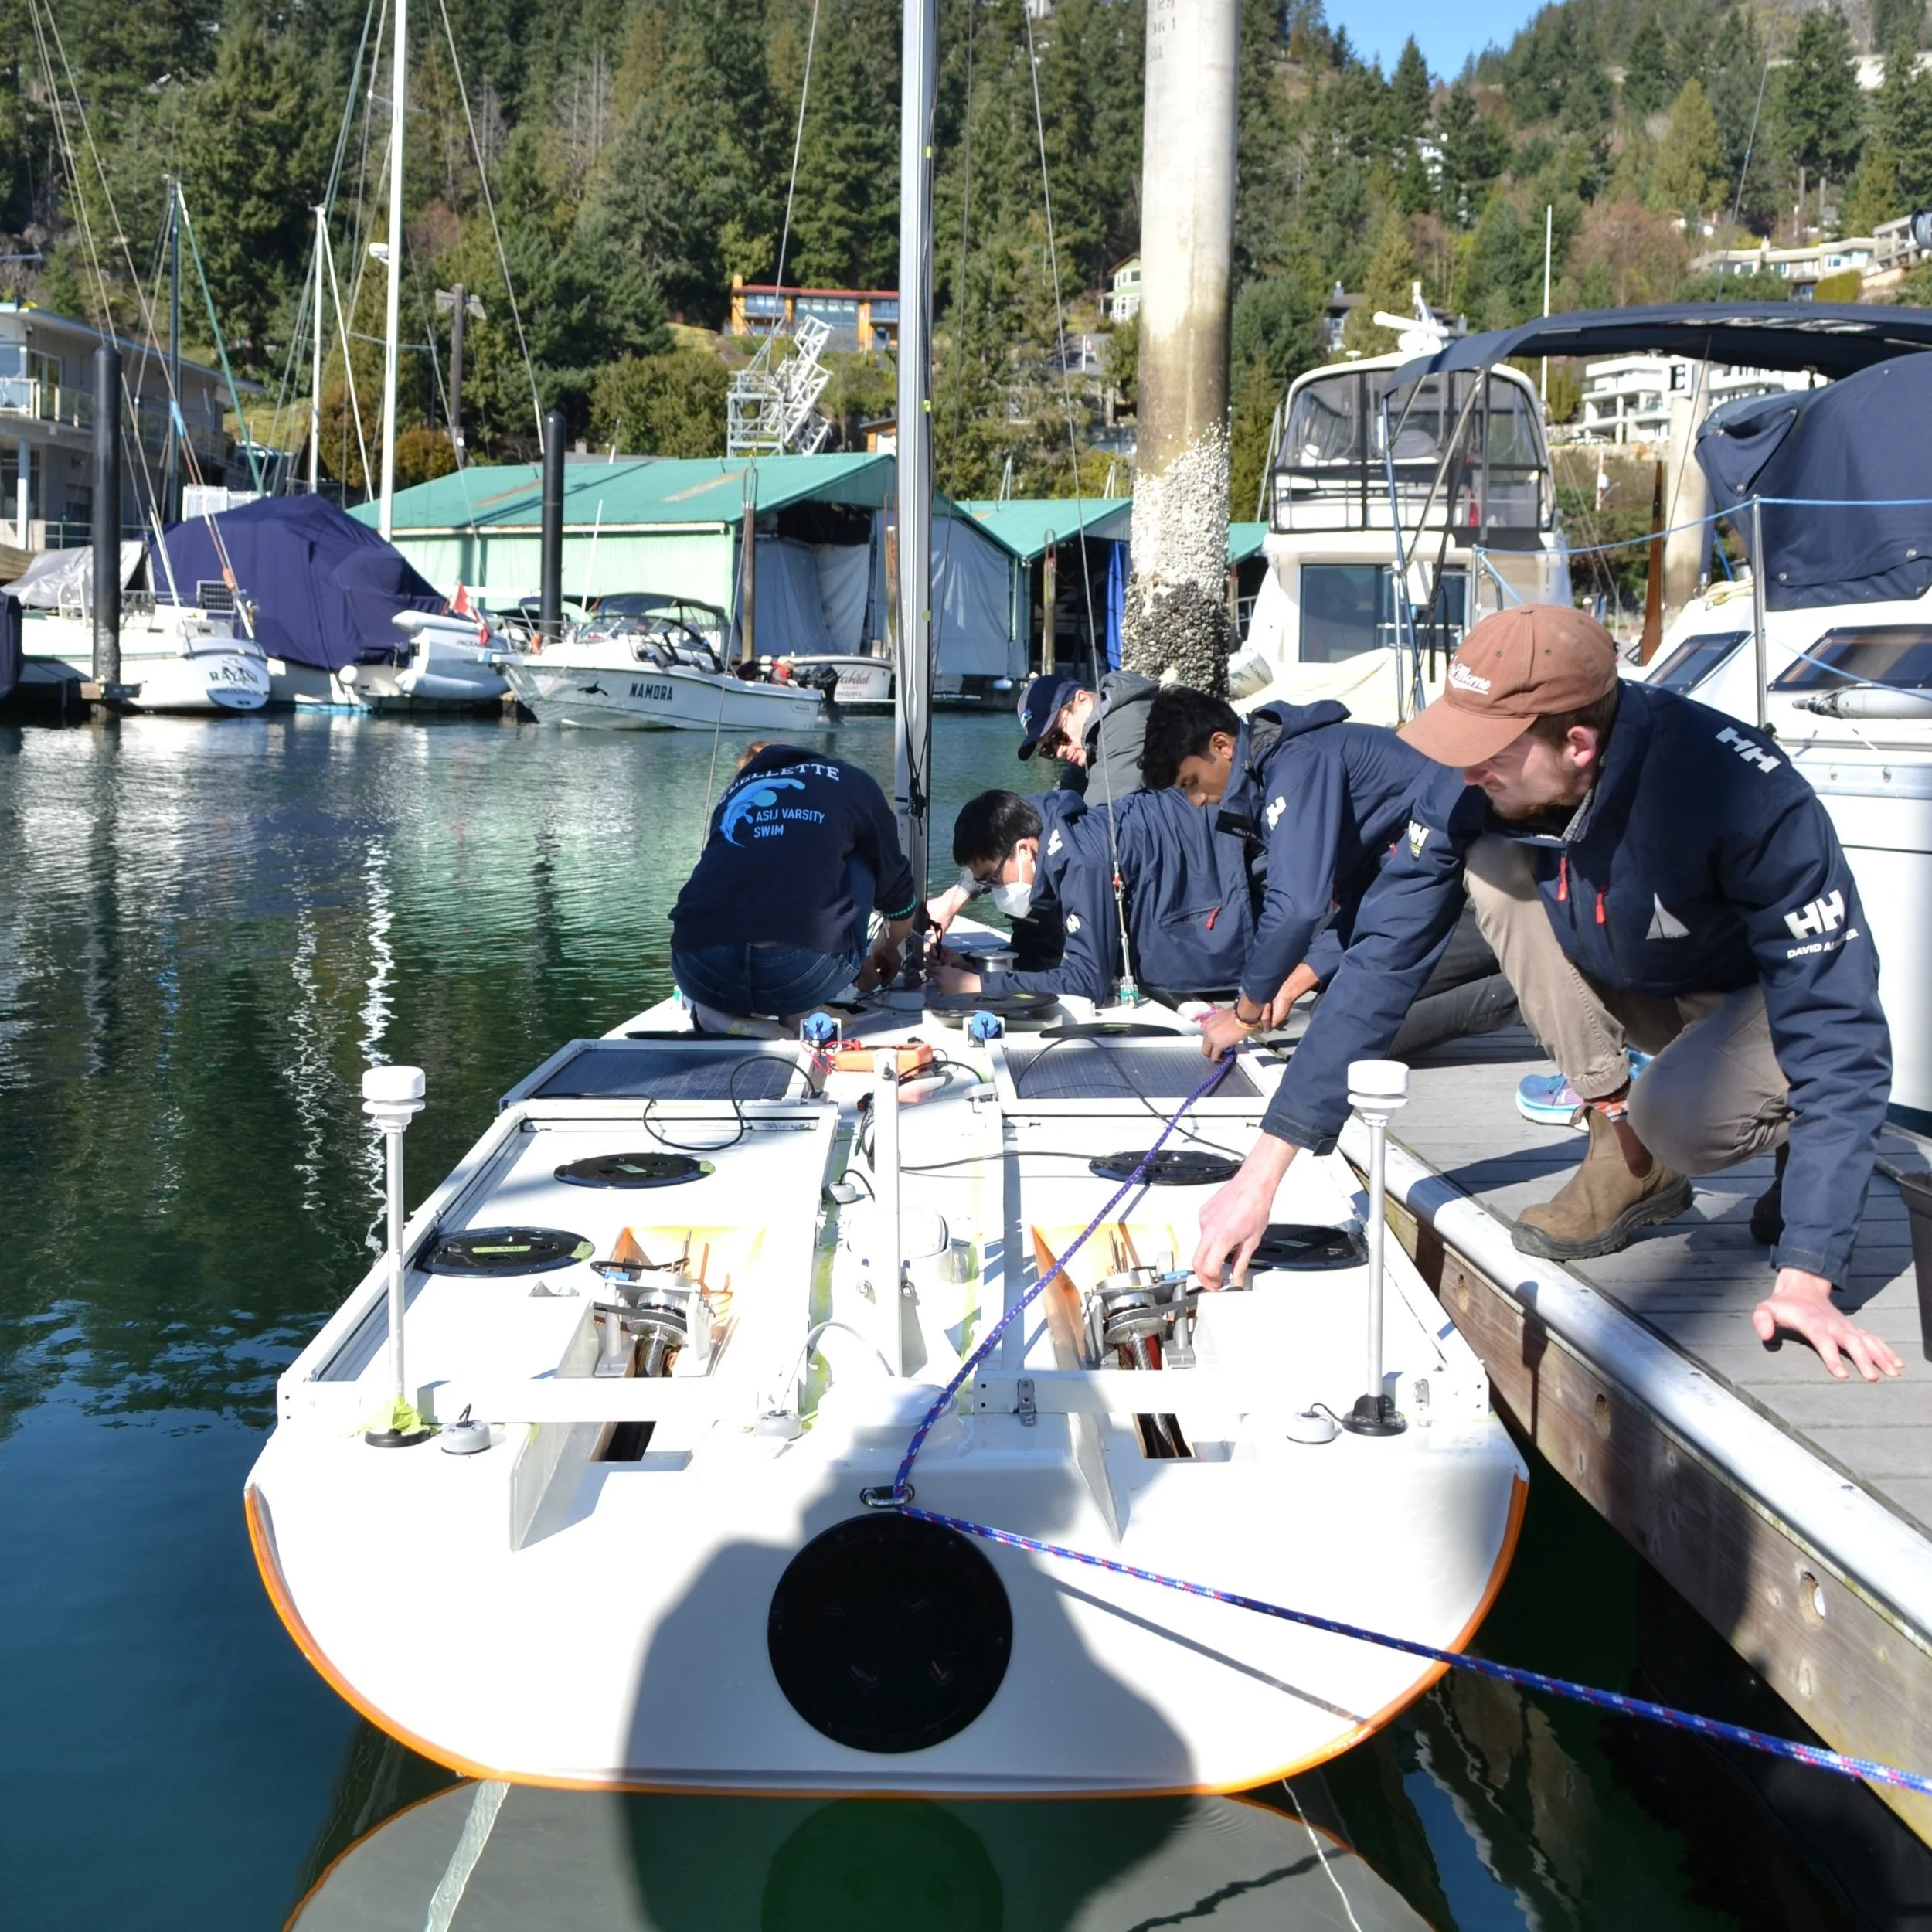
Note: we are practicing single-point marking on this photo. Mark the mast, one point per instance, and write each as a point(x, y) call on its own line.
point(315, 369)
point(178, 422)
point(399, 97)
point(912, 716)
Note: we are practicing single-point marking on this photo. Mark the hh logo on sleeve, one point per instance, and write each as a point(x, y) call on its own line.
point(1821, 917)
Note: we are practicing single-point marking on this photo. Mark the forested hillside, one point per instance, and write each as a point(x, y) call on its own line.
point(638, 152)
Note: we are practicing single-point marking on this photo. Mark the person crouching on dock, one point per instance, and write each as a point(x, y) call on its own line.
point(1650, 873)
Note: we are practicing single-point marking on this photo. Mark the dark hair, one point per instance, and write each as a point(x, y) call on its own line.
point(989, 826)
point(1599, 715)
point(1179, 723)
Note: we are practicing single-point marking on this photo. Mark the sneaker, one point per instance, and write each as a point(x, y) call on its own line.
point(1550, 1101)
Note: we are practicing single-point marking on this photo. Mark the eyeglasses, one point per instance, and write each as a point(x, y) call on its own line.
point(1056, 738)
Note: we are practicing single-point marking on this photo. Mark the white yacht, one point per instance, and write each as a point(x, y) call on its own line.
point(1466, 460)
point(658, 666)
point(173, 657)
point(451, 666)
point(863, 682)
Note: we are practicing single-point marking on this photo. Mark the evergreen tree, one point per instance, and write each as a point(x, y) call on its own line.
point(1409, 95)
point(1475, 150)
point(1649, 83)
point(1820, 110)
point(1389, 288)
point(845, 222)
point(1897, 23)
point(1689, 177)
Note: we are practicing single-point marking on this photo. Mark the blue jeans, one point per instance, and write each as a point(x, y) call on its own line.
point(773, 981)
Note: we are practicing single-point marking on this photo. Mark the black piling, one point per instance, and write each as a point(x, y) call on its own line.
point(550, 619)
point(107, 516)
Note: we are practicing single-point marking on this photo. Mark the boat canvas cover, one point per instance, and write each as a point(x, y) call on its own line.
point(1854, 453)
point(326, 589)
point(1832, 339)
point(55, 577)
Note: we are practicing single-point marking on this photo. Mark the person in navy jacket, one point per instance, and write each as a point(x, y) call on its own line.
point(1318, 801)
point(1651, 873)
point(1185, 901)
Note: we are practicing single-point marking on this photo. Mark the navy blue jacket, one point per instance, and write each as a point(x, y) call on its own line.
point(1324, 799)
point(1190, 918)
point(1701, 863)
point(777, 865)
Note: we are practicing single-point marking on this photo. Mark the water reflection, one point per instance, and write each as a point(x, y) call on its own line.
point(485, 1856)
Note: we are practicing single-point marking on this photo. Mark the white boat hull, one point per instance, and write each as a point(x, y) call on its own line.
point(172, 661)
point(557, 688)
point(607, 1621)
point(864, 684)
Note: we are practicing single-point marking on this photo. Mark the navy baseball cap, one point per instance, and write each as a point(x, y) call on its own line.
point(1040, 703)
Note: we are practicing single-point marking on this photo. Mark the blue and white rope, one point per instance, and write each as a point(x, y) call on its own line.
point(1816, 1755)
point(899, 1496)
point(1840, 1763)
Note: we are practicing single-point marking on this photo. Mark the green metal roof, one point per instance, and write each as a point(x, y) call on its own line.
point(1025, 525)
point(1245, 540)
point(633, 493)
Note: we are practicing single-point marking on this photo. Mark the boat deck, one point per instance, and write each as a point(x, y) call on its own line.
point(1794, 1511)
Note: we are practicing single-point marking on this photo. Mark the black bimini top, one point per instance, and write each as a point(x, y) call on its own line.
point(1832, 339)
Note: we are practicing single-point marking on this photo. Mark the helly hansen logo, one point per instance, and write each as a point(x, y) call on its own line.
point(1274, 813)
point(1418, 838)
point(1821, 917)
point(1752, 753)
point(1460, 674)
point(1053, 842)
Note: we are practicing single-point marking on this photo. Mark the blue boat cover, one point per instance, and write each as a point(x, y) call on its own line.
point(325, 587)
point(9, 644)
point(1855, 452)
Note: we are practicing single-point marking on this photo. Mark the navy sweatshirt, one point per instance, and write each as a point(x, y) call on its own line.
point(1190, 918)
point(1324, 799)
point(1701, 862)
point(775, 868)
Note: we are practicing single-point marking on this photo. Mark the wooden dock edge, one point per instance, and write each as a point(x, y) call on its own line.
point(1851, 1667)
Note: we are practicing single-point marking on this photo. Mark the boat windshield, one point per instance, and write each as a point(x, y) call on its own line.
point(1349, 608)
point(1696, 659)
point(1331, 472)
point(1897, 655)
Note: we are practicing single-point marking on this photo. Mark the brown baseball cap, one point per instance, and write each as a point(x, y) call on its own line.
point(1529, 662)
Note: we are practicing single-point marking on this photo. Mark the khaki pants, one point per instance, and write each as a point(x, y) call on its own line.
point(1715, 1094)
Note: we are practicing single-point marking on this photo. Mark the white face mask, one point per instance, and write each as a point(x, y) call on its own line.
point(1015, 901)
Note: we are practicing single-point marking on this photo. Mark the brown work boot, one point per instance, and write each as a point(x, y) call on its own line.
point(1603, 1204)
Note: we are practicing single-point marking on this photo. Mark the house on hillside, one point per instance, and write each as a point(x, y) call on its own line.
point(46, 428)
point(1626, 399)
point(1123, 290)
point(863, 319)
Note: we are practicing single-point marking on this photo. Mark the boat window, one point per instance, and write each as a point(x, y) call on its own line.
point(1331, 473)
point(1897, 654)
point(1349, 608)
point(1696, 659)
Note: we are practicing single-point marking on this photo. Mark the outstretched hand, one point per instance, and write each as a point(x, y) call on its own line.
point(1801, 1304)
point(1219, 1031)
point(1234, 1220)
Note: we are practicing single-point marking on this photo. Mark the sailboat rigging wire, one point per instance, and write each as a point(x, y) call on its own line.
point(1750, 142)
point(489, 204)
point(1079, 507)
point(221, 347)
point(798, 142)
point(349, 361)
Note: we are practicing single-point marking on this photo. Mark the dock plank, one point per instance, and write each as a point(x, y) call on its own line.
point(1694, 1282)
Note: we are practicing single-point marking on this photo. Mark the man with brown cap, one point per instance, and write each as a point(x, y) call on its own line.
point(1650, 873)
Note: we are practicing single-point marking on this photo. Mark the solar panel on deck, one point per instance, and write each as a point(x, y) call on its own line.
point(1086, 1070)
point(631, 1072)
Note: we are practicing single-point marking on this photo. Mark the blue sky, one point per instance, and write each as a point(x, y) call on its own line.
point(1447, 34)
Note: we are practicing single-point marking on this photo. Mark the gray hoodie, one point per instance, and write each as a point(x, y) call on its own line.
point(1114, 737)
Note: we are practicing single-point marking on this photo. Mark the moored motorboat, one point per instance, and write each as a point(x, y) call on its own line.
point(451, 666)
point(659, 1297)
point(863, 683)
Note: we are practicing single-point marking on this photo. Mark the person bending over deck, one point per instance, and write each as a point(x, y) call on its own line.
point(1189, 915)
point(777, 917)
point(1318, 802)
point(1096, 735)
point(994, 824)
point(1651, 873)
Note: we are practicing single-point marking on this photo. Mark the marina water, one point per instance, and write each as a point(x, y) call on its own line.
point(206, 931)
